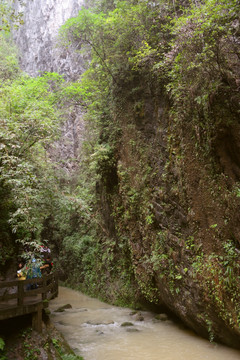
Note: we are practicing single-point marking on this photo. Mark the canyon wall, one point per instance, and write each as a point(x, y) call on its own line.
point(39, 51)
point(37, 37)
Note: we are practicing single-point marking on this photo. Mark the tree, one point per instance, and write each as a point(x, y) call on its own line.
point(204, 64)
point(29, 122)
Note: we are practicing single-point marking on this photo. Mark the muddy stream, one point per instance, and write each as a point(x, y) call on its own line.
point(94, 330)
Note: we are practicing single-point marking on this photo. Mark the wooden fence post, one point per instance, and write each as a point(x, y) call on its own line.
point(37, 319)
point(56, 284)
point(20, 289)
point(44, 293)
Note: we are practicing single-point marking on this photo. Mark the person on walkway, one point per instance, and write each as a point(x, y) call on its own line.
point(46, 268)
point(21, 271)
point(33, 272)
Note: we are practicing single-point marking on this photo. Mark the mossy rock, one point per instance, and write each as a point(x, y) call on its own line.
point(127, 323)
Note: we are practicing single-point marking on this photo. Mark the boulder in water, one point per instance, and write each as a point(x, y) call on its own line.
point(127, 323)
point(162, 317)
point(63, 308)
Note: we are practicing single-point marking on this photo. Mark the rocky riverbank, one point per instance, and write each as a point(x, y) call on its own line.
point(22, 343)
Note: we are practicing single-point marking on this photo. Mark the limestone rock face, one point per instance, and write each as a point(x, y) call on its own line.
point(37, 38)
point(39, 51)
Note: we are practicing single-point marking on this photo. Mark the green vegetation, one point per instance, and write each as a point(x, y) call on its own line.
point(151, 212)
point(60, 351)
point(8, 17)
point(187, 56)
point(203, 69)
point(2, 350)
point(29, 123)
point(29, 345)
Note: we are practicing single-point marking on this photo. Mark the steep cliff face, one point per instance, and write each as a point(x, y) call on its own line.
point(37, 37)
point(174, 198)
point(178, 208)
point(39, 51)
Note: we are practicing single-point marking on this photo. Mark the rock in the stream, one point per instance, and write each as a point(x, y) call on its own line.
point(91, 322)
point(63, 308)
point(127, 323)
point(162, 317)
point(132, 330)
point(78, 310)
point(137, 315)
point(134, 312)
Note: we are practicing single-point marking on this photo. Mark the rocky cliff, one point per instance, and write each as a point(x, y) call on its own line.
point(37, 37)
point(179, 212)
point(39, 51)
point(168, 162)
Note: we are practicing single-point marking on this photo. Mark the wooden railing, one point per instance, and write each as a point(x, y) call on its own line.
point(18, 297)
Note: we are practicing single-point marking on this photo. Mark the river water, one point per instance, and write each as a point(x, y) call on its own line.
point(93, 330)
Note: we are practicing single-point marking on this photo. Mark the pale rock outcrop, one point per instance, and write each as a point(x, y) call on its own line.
point(37, 38)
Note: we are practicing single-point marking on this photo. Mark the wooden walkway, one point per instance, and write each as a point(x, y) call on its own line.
point(16, 300)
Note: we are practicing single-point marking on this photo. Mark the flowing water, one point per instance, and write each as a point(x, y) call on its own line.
point(93, 330)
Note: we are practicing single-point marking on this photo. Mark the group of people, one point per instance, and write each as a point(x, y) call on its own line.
point(34, 268)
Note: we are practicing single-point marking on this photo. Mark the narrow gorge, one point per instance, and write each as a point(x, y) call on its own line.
point(143, 200)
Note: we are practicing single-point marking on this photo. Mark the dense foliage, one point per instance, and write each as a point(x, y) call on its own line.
point(185, 55)
point(138, 219)
point(29, 122)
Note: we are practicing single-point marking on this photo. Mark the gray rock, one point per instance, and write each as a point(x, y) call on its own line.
point(37, 37)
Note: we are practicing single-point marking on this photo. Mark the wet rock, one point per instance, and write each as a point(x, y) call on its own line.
point(161, 317)
point(108, 323)
point(132, 330)
point(63, 308)
point(137, 315)
point(78, 310)
point(127, 323)
point(90, 322)
point(133, 313)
